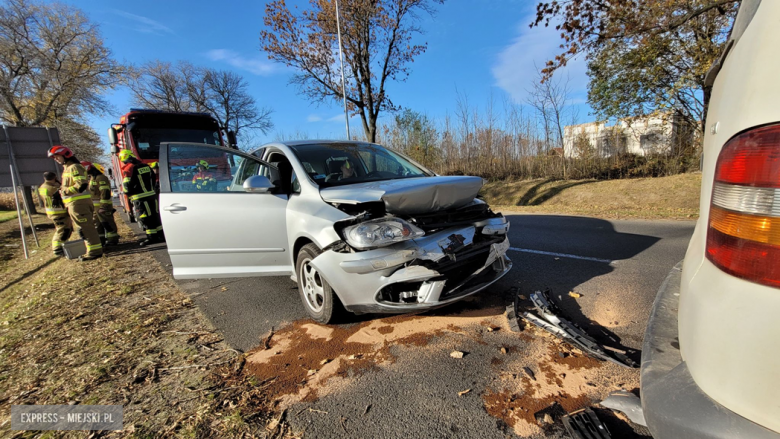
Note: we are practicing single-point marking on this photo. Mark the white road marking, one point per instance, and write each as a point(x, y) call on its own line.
point(562, 255)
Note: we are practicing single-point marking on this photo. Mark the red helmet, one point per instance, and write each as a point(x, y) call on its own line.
point(60, 150)
point(86, 165)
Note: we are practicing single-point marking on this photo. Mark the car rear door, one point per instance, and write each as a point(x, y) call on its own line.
point(225, 232)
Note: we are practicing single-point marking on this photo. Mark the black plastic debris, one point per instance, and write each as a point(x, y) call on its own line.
point(550, 318)
point(584, 424)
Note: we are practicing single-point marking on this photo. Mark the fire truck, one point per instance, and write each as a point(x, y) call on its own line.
point(142, 131)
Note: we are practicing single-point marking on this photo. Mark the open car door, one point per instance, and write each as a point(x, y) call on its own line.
point(214, 223)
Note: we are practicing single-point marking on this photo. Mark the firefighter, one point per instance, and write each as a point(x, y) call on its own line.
point(156, 169)
point(138, 184)
point(75, 196)
point(100, 190)
point(49, 192)
point(204, 181)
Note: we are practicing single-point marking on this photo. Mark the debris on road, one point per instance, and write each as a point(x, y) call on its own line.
point(503, 351)
point(584, 424)
point(530, 373)
point(574, 295)
point(628, 403)
point(550, 319)
point(456, 354)
point(463, 392)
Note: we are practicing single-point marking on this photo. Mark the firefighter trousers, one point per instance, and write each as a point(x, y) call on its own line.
point(82, 213)
point(106, 226)
point(63, 227)
point(148, 213)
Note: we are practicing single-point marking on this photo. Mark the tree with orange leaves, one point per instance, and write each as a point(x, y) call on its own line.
point(377, 37)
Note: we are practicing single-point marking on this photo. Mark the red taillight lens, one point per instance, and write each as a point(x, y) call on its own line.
point(743, 238)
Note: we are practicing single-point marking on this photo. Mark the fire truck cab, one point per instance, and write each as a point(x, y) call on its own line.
point(142, 131)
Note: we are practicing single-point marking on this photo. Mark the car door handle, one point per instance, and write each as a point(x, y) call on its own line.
point(174, 208)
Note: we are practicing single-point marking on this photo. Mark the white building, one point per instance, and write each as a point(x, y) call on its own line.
point(647, 135)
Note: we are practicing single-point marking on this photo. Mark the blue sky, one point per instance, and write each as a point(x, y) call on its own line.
point(478, 48)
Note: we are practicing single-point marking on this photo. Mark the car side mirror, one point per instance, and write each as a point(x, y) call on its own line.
point(112, 138)
point(259, 184)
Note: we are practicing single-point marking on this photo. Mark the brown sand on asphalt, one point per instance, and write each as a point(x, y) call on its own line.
point(306, 361)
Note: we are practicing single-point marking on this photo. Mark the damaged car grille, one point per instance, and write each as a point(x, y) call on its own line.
point(456, 217)
point(462, 263)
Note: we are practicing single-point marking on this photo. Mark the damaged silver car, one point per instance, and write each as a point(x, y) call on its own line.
point(357, 226)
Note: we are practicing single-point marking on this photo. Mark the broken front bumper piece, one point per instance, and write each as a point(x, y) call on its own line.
point(550, 320)
point(420, 274)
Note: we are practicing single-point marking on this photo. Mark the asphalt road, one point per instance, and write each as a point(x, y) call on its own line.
point(616, 267)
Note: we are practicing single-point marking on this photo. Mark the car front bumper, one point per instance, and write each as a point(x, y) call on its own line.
point(415, 270)
point(673, 404)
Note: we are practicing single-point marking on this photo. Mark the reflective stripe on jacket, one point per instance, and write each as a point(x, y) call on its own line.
point(74, 183)
point(52, 200)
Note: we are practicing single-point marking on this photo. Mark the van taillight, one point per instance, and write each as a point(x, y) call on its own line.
point(743, 238)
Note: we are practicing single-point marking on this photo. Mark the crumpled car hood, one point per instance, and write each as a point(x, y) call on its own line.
point(410, 195)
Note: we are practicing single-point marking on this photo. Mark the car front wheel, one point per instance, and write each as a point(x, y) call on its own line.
point(318, 298)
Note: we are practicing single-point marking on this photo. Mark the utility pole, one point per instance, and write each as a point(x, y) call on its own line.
point(341, 59)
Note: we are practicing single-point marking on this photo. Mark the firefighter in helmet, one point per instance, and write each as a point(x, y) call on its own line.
point(203, 180)
point(49, 192)
point(76, 198)
point(138, 184)
point(100, 190)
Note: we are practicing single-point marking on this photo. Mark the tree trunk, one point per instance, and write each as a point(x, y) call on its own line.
point(28, 198)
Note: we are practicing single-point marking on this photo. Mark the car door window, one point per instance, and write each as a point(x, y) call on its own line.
point(202, 169)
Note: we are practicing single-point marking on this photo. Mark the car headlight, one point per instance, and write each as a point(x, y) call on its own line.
point(380, 232)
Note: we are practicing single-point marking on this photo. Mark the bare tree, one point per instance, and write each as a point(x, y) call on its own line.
point(184, 87)
point(377, 38)
point(53, 64)
point(54, 70)
point(229, 101)
point(163, 86)
point(552, 100)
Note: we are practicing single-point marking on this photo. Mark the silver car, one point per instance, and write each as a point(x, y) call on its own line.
point(357, 226)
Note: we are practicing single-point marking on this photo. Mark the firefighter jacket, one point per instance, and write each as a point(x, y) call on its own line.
point(49, 192)
point(100, 190)
point(139, 182)
point(74, 182)
point(204, 181)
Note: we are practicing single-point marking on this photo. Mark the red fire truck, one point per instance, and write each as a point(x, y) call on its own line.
point(142, 131)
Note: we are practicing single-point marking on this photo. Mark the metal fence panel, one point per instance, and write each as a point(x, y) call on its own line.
point(30, 146)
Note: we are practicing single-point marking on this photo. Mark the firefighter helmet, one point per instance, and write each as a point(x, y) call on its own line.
point(125, 155)
point(203, 163)
point(86, 165)
point(99, 167)
point(154, 165)
point(60, 150)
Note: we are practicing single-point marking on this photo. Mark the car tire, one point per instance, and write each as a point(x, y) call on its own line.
point(319, 300)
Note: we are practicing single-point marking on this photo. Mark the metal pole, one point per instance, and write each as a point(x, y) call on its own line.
point(14, 168)
point(341, 59)
point(16, 194)
point(19, 212)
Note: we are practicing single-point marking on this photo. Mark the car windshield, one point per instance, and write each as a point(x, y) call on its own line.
point(148, 140)
point(335, 164)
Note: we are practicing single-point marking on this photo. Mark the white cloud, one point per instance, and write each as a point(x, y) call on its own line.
point(313, 118)
point(339, 118)
point(516, 65)
point(145, 24)
point(255, 65)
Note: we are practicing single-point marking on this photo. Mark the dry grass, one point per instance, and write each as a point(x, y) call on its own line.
point(674, 197)
point(116, 331)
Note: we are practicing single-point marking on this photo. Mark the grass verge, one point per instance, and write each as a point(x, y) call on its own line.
point(674, 197)
point(7, 215)
point(116, 331)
